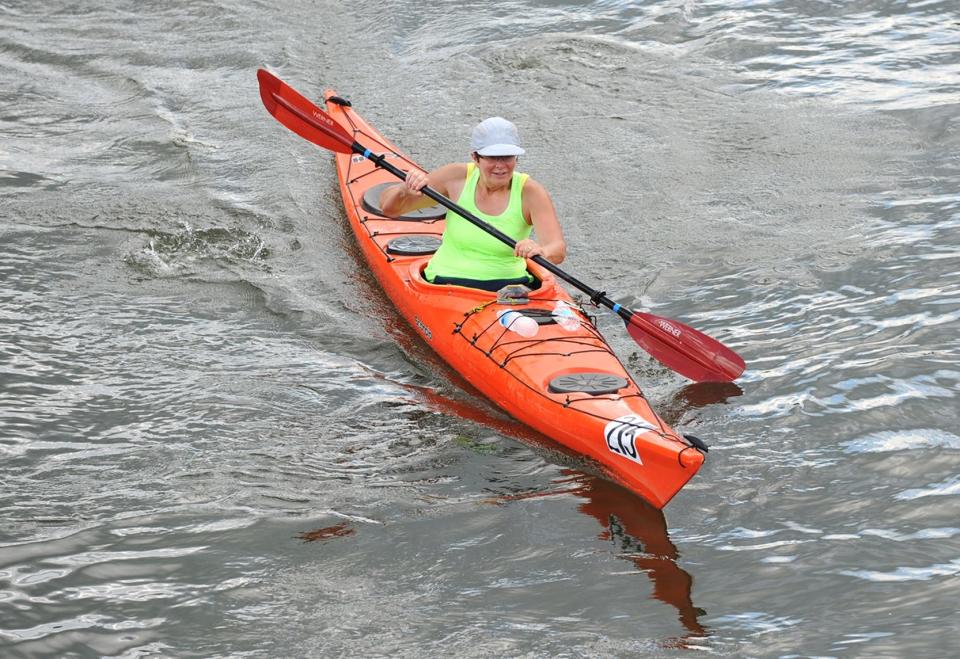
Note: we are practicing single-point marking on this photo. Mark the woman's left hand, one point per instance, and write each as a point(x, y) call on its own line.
point(527, 249)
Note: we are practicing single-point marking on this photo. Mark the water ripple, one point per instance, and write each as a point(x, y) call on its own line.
point(908, 573)
point(949, 487)
point(904, 440)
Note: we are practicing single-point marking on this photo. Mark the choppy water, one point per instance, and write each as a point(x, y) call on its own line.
point(217, 438)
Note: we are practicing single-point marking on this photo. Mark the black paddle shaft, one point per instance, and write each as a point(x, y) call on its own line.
point(596, 296)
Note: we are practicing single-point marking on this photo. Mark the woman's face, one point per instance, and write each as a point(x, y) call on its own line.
point(495, 170)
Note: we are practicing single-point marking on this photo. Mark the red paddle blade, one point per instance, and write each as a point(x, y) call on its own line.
point(689, 352)
point(300, 115)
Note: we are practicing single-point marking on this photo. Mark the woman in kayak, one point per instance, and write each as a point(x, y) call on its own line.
point(491, 189)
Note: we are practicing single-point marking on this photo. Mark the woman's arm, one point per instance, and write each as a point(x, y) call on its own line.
point(540, 212)
point(407, 196)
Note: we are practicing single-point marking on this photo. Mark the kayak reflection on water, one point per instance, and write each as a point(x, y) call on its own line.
point(638, 528)
point(640, 532)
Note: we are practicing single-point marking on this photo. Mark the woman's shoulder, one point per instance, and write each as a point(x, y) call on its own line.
point(533, 187)
point(448, 179)
point(453, 170)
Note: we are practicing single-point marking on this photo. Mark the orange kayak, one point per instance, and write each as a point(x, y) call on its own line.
point(539, 357)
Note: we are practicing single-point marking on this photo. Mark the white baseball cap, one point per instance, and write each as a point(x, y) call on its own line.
point(496, 137)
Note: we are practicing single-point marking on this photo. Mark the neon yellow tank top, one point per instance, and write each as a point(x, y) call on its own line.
point(469, 252)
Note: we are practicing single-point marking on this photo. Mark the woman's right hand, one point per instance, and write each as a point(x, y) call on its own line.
point(416, 180)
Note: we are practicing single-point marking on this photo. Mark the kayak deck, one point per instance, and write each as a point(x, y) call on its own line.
point(547, 365)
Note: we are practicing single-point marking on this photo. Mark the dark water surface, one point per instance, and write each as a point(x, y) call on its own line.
point(218, 439)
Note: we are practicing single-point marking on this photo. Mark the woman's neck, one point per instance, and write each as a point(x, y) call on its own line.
point(487, 189)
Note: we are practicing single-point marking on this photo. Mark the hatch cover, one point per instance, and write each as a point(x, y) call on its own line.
point(371, 204)
point(594, 384)
point(414, 245)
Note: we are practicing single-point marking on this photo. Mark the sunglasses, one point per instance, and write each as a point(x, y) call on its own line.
point(497, 158)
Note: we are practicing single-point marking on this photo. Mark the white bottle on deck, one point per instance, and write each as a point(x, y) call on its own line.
point(515, 321)
point(565, 316)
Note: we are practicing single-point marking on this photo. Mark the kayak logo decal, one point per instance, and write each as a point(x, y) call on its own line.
point(423, 328)
point(621, 435)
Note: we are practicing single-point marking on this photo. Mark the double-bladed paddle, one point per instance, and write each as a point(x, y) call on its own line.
point(687, 351)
